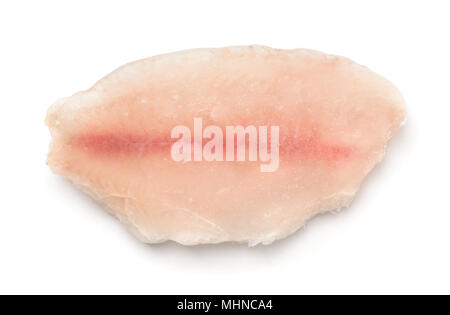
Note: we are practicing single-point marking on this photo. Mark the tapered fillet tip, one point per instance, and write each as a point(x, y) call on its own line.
point(241, 144)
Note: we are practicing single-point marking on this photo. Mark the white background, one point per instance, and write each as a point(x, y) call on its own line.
point(393, 239)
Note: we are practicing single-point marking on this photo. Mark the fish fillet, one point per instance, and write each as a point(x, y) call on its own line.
point(118, 142)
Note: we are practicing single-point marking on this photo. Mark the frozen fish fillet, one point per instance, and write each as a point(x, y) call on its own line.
point(239, 144)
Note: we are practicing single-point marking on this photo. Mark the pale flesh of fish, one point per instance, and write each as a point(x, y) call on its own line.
point(115, 141)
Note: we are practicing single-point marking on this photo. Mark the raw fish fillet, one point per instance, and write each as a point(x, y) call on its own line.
point(115, 141)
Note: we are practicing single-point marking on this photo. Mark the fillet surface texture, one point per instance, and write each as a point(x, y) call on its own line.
point(321, 124)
